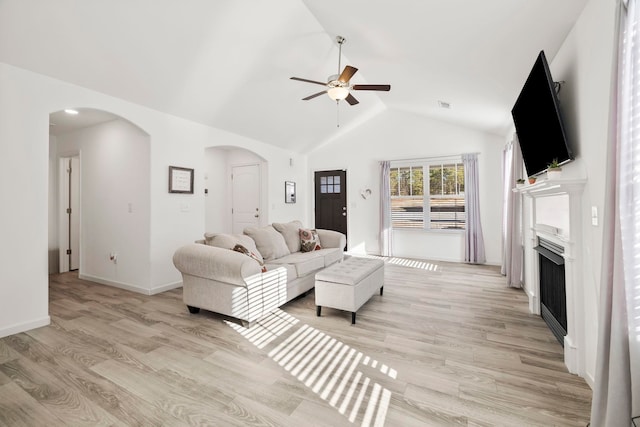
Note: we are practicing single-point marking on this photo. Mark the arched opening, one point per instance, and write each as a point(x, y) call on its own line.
point(236, 189)
point(109, 213)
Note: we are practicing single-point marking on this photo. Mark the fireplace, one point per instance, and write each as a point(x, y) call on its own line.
point(553, 297)
point(558, 261)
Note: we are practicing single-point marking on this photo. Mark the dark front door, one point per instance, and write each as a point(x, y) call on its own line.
point(331, 200)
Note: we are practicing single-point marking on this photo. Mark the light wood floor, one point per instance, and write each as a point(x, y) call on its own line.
point(447, 344)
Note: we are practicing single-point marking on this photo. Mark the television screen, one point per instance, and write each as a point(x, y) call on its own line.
point(539, 126)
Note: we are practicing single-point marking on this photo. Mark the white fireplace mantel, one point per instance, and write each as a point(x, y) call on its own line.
point(553, 187)
point(574, 341)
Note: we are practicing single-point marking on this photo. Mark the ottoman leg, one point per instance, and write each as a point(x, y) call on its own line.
point(318, 310)
point(381, 288)
point(193, 310)
point(353, 317)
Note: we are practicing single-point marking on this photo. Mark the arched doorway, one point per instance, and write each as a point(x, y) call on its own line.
point(112, 164)
point(227, 196)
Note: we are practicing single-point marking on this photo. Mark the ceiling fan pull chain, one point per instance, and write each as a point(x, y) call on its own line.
point(338, 113)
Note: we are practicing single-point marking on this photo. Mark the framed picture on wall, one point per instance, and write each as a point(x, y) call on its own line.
point(289, 192)
point(180, 180)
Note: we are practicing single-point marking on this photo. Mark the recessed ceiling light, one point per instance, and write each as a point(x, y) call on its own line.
point(444, 104)
point(72, 112)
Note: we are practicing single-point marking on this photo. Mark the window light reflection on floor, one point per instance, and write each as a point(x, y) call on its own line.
point(403, 262)
point(267, 329)
point(331, 369)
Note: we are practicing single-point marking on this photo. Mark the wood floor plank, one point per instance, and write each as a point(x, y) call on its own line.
point(19, 409)
point(189, 408)
point(446, 345)
point(45, 387)
point(6, 352)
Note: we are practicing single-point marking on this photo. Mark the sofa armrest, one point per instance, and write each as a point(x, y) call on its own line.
point(210, 262)
point(331, 238)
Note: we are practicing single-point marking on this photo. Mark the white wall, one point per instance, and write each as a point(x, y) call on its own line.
point(115, 202)
point(26, 102)
point(288, 167)
point(393, 135)
point(584, 62)
point(54, 261)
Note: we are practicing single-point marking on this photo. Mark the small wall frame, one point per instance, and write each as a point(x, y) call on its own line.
point(289, 192)
point(180, 180)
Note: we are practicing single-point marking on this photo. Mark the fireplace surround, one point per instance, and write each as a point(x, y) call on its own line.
point(570, 240)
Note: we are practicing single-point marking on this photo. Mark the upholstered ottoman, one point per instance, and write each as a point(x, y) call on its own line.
point(349, 284)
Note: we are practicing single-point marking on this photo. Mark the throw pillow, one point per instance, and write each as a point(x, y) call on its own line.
point(309, 240)
point(290, 233)
point(228, 241)
point(243, 250)
point(269, 242)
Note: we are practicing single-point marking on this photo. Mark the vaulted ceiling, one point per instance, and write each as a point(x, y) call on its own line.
point(227, 63)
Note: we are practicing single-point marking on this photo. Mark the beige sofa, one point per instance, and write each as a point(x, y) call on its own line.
point(218, 279)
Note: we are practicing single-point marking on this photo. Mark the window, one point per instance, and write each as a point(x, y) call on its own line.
point(446, 201)
point(407, 197)
point(442, 209)
point(330, 184)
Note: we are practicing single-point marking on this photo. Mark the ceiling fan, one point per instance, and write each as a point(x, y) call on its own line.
point(338, 86)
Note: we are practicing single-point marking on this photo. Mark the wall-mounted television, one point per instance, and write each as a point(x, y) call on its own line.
point(539, 125)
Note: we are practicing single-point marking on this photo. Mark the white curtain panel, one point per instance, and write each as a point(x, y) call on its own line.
point(473, 240)
point(512, 253)
point(385, 209)
point(616, 394)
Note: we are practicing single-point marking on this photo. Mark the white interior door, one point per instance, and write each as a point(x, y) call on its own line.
point(245, 194)
point(69, 236)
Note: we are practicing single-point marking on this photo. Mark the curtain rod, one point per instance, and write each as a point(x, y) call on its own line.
point(430, 158)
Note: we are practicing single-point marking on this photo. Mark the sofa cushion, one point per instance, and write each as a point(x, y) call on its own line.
point(309, 240)
point(304, 262)
point(229, 241)
point(269, 242)
point(331, 255)
point(292, 274)
point(291, 233)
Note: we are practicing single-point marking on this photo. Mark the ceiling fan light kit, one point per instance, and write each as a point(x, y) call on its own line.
point(338, 87)
point(338, 93)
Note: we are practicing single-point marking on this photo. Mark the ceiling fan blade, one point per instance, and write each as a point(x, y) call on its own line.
point(308, 81)
point(314, 95)
point(347, 73)
point(372, 87)
point(351, 100)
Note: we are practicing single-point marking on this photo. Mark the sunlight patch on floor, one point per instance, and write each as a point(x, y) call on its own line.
point(327, 366)
point(403, 262)
point(266, 330)
point(412, 263)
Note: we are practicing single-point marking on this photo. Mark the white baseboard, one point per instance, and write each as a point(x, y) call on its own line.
point(25, 326)
point(132, 288)
point(115, 284)
point(590, 380)
point(164, 288)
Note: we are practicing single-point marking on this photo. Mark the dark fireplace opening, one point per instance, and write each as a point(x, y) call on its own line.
point(553, 297)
